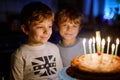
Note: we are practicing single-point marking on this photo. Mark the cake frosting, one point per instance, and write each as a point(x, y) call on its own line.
point(97, 63)
point(95, 67)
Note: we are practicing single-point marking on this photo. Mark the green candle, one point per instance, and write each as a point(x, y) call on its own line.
point(116, 49)
point(113, 48)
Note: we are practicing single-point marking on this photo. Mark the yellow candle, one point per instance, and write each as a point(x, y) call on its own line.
point(116, 49)
point(98, 40)
point(94, 45)
point(108, 44)
point(113, 48)
point(84, 47)
point(103, 44)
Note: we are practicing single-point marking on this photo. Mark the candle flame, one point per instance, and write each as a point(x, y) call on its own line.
point(113, 47)
point(116, 50)
point(103, 42)
point(108, 39)
point(84, 40)
point(93, 39)
point(117, 41)
point(90, 41)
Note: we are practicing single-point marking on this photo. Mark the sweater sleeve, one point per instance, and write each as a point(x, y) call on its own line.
point(17, 66)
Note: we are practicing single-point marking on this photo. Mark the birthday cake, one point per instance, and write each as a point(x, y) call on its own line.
point(95, 67)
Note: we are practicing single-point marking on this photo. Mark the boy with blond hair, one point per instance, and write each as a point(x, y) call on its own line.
point(37, 59)
point(68, 23)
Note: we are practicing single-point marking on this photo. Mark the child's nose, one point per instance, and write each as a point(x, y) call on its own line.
point(46, 31)
point(68, 28)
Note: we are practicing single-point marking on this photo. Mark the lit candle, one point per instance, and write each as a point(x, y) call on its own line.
point(116, 49)
point(108, 44)
point(102, 50)
point(98, 44)
point(94, 45)
point(98, 40)
point(90, 42)
point(2, 78)
point(103, 44)
point(113, 48)
point(84, 47)
point(90, 48)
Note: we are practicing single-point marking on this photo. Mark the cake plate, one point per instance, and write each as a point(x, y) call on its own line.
point(63, 75)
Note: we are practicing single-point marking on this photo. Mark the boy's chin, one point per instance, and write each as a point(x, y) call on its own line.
point(43, 42)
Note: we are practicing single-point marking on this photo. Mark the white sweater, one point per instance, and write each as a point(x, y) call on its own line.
point(36, 62)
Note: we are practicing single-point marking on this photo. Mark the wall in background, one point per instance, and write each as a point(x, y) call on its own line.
point(13, 7)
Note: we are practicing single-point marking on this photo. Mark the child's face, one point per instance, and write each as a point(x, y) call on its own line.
point(40, 32)
point(69, 30)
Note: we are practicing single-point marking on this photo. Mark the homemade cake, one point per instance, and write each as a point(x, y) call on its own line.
point(95, 67)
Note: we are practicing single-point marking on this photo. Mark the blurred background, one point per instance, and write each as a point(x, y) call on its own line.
point(102, 15)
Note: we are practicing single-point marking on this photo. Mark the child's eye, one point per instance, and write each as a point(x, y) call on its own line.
point(50, 26)
point(75, 26)
point(39, 27)
point(63, 24)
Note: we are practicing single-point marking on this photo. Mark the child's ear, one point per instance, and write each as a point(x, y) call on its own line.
point(23, 28)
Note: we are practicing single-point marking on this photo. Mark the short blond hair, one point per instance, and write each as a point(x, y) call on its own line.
point(35, 11)
point(70, 15)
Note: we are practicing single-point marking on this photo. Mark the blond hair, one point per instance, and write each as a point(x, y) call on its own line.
point(35, 11)
point(68, 15)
